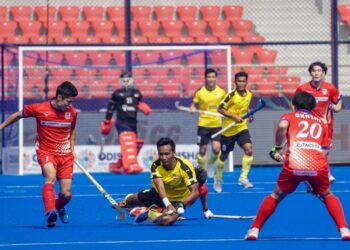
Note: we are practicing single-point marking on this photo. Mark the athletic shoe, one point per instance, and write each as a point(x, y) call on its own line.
point(137, 210)
point(344, 233)
point(252, 234)
point(245, 183)
point(63, 215)
point(141, 217)
point(51, 218)
point(218, 185)
point(331, 178)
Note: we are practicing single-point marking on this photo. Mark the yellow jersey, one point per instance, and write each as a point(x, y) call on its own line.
point(237, 105)
point(209, 101)
point(177, 180)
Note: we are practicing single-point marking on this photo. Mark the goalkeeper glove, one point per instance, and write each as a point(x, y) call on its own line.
point(275, 155)
point(106, 126)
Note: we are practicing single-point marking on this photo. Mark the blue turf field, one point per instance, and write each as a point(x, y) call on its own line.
point(300, 222)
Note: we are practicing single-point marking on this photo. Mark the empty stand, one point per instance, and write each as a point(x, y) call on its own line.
point(164, 13)
point(232, 12)
point(78, 28)
point(115, 13)
point(159, 39)
point(277, 71)
point(230, 39)
point(69, 13)
point(93, 13)
point(254, 39)
point(344, 11)
point(254, 71)
point(289, 84)
point(172, 28)
point(102, 28)
point(183, 39)
point(243, 56)
point(3, 13)
point(30, 29)
point(8, 28)
point(84, 39)
point(267, 56)
point(243, 27)
point(196, 28)
point(149, 28)
point(267, 86)
point(206, 39)
point(56, 29)
point(219, 27)
point(186, 13)
point(42, 13)
point(140, 13)
point(21, 13)
point(209, 13)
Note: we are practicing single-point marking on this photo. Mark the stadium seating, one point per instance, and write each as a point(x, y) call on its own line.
point(93, 13)
point(186, 13)
point(41, 15)
point(172, 28)
point(163, 13)
point(196, 28)
point(56, 29)
point(8, 28)
point(267, 56)
point(159, 39)
point(219, 27)
point(232, 12)
point(210, 13)
point(21, 13)
point(243, 56)
point(149, 28)
point(289, 84)
point(63, 40)
point(140, 13)
point(242, 27)
point(3, 13)
point(192, 86)
point(30, 29)
point(115, 13)
point(15, 39)
point(69, 13)
point(78, 28)
point(254, 39)
point(206, 39)
point(102, 28)
point(182, 39)
point(254, 71)
point(344, 12)
point(84, 39)
point(230, 39)
point(277, 71)
point(267, 86)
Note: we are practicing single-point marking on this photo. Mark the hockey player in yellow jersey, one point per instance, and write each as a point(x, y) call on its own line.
point(233, 107)
point(208, 98)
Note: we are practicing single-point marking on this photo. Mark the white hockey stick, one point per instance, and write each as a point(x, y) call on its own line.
point(186, 109)
point(233, 217)
point(114, 204)
point(261, 105)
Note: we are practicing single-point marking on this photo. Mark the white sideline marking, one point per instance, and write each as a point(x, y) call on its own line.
point(158, 241)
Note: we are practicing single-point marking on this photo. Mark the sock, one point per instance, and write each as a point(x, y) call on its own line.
point(246, 164)
point(220, 165)
point(335, 209)
point(201, 160)
point(48, 195)
point(153, 214)
point(266, 209)
point(213, 157)
point(62, 200)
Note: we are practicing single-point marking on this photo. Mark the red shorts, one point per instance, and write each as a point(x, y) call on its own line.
point(62, 163)
point(288, 180)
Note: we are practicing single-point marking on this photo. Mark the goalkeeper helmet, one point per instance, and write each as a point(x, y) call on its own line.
point(126, 80)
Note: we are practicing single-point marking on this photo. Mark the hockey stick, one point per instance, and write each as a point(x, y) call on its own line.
point(233, 217)
point(102, 143)
point(114, 204)
point(186, 109)
point(260, 106)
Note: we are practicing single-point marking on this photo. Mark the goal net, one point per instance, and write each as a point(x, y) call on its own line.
point(163, 74)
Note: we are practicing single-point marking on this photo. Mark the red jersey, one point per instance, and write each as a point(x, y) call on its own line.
point(306, 137)
point(326, 94)
point(53, 127)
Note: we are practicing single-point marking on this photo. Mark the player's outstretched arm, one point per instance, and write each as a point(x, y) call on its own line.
point(144, 107)
point(11, 119)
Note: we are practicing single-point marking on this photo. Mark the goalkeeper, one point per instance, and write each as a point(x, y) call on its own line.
point(174, 187)
point(125, 101)
point(305, 160)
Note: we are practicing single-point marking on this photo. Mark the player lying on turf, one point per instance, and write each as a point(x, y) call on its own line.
point(304, 160)
point(174, 187)
point(54, 145)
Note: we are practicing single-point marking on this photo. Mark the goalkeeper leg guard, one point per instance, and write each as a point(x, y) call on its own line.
point(129, 152)
point(246, 164)
point(201, 160)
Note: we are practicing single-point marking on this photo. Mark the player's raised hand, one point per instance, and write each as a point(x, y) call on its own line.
point(276, 154)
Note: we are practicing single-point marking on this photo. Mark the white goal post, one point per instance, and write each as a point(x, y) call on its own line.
point(25, 49)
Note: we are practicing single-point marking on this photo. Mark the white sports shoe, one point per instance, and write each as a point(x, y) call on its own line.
point(218, 185)
point(344, 233)
point(253, 234)
point(331, 178)
point(245, 183)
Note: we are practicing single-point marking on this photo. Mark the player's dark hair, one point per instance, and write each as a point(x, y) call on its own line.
point(66, 90)
point(210, 70)
point(320, 64)
point(241, 74)
point(304, 100)
point(166, 141)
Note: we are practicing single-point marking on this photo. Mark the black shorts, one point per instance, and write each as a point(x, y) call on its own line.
point(123, 126)
point(228, 142)
point(204, 135)
point(150, 196)
point(201, 175)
